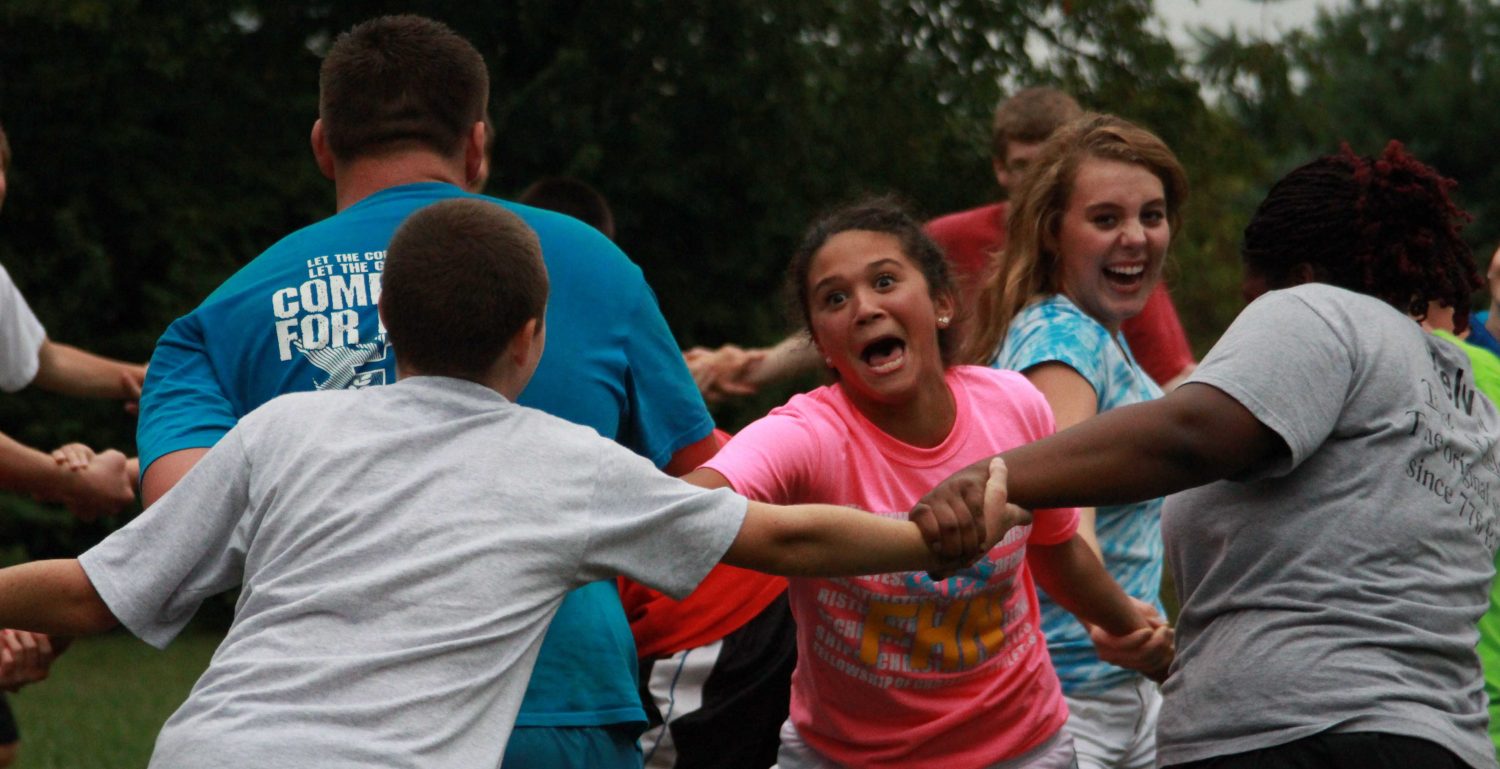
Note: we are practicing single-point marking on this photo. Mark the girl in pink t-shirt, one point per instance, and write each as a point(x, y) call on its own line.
point(900, 670)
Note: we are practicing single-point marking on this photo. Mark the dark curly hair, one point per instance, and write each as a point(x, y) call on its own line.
point(1382, 226)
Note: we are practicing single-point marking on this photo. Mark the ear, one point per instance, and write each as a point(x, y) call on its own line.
point(1002, 176)
point(321, 153)
point(945, 305)
point(476, 162)
point(523, 345)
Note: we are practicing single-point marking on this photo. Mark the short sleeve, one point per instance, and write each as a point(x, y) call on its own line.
point(655, 529)
point(1056, 335)
point(1050, 526)
point(666, 410)
point(183, 404)
point(774, 459)
point(21, 337)
point(155, 572)
point(1288, 367)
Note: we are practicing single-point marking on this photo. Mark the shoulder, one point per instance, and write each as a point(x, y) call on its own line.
point(1054, 322)
point(987, 216)
point(824, 406)
point(1348, 314)
point(808, 421)
point(995, 393)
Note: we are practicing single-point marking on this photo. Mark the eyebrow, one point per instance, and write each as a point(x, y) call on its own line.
point(1111, 204)
point(869, 267)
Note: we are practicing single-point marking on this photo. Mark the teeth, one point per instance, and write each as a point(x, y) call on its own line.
point(890, 365)
point(1128, 270)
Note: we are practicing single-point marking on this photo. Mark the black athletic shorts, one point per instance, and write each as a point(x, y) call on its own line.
point(1351, 750)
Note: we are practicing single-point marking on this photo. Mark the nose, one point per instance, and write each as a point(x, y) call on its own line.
point(867, 307)
point(1133, 233)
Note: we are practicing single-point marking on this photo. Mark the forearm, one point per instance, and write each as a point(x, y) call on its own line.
point(67, 370)
point(53, 597)
point(1074, 577)
point(26, 470)
point(791, 356)
point(1194, 435)
point(828, 541)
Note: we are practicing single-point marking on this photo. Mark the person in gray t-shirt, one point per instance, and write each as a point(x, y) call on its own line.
point(1333, 570)
point(401, 549)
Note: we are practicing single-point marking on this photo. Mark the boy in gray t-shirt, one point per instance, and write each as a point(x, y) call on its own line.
point(401, 549)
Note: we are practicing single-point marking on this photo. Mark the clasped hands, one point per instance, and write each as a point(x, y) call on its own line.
point(967, 515)
point(98, 484)
point(970, 513)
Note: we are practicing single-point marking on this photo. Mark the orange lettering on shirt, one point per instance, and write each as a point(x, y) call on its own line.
point(877, 624)
point(985, 623)
point(933, 635)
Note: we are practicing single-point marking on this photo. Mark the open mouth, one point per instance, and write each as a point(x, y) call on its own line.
point(884, 355)
point(1126, 274)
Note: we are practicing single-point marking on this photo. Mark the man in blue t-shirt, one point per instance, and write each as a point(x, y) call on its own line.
point(401, 125)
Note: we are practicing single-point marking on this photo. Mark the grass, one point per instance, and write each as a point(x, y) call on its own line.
point(106, 700)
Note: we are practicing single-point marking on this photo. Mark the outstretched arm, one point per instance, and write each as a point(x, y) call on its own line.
point(832, 541)
point(53, 597)
point(1194, 435)
point(103, 487)
point(732, 371)
point(829, 541)
point(67, 370)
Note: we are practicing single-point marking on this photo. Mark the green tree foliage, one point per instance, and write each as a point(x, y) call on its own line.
point(1426, 72)
point(160, 146)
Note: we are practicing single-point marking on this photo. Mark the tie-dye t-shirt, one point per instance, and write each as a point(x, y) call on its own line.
point(1053, 329)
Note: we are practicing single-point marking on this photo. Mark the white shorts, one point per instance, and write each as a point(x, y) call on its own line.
point(1116, 728)
point(1055, 752)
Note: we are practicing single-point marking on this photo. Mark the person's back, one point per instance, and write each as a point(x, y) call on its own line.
point(401, 551)
point(301, 317)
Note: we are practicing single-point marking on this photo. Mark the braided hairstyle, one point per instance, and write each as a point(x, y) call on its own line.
point(1382, 226)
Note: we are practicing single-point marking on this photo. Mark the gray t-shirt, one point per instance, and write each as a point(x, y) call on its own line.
point(1338, 588)
point(21, 337)
point(401, 551)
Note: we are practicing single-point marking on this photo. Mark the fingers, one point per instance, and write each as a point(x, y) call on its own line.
point(994, 501)
point(73, 456)
point(105, 487)
point(25, 658)
point(1148, 612)
point(719, 373)
point(1148, 650)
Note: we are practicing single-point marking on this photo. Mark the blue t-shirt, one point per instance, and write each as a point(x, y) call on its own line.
point(1479, 336)
point(1054, 329)
point(302, 316)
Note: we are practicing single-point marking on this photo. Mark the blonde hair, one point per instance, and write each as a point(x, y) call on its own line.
point(1029, 267)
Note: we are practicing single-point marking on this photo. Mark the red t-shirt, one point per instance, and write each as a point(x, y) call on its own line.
point(974, 237)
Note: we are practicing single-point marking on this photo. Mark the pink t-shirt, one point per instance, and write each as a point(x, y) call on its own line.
point(896, 670)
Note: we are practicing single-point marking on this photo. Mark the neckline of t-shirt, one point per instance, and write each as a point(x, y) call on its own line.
point(918, 456)
point(453, 385)
point(405, 189)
